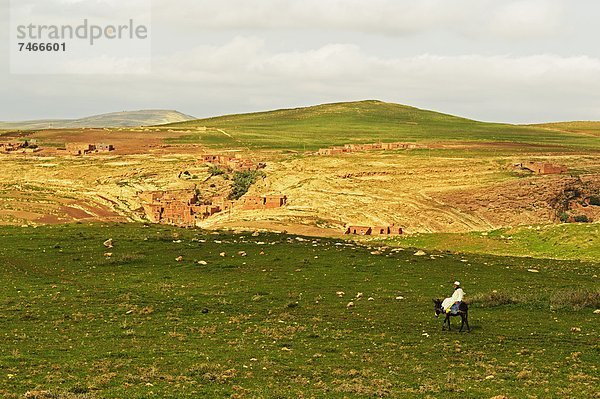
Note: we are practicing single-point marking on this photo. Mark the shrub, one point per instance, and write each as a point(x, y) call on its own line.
point(564, 217)
point(494, 298)
point(595, 200)
point(581, 219)
point(242, 182)
point(576, 299)
point(215, 170)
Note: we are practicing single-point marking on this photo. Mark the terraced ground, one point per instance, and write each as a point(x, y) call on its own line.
point(176, 313)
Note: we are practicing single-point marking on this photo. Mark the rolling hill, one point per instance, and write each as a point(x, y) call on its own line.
point(363, 122)
point(584, 127)
point(114, 119)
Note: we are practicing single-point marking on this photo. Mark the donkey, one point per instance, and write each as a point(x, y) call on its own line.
point(463, 312)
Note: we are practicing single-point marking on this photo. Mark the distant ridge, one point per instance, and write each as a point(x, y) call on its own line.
point(114, 119)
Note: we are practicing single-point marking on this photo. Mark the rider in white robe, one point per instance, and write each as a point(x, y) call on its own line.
point(451, 304)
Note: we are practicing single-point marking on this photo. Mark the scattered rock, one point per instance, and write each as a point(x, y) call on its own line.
point(350, 304)
point(340, 293)
point(39, 395)
point(205, 310)
point(597, 311)
point(108, 243)
point(359, 295)
point(202, 262)
point(242, 253)
point(575, 329)
point(255, 234)
point(399, 298)
point(179, 258)
point(376, 253)
point(533, 270)
point(108, 254)
point(499, 397)
point(223, 254)
point(371, 299)
point(420, 253)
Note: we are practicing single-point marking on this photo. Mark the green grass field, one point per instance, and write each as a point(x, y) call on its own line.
point(366, 122)
point(563, 241)
point(80, 324)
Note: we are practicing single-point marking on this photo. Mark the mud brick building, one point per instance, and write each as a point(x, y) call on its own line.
point(542, 168)
point(359, 230)
point(85, 149)
point(374, 230)
point(181, 208)
point(105, 147)
point(80, 149)
point(232, 163)
point(19, 147)
point(265, 202)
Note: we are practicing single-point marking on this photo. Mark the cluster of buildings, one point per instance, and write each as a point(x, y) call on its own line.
point(85, 149)
point(19, 147)
point(235, 164)
point(374, 230)
point(181, 208)
point(542, 168)
point(367, 147)
point(184, 208)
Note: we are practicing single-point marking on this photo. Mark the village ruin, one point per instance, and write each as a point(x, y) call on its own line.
point(542, 168)
point(264, 202)
point(235, 164)
point(86, 149)
point(348, 148)
point(19, 147)
point(374, 230)
point(185, 208)
point(182, 208)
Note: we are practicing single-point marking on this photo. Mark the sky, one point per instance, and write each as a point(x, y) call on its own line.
point(518, 61)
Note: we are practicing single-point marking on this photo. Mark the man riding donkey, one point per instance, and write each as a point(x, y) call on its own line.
point(453, 306)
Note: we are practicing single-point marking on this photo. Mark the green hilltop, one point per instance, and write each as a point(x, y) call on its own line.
point(365, 122)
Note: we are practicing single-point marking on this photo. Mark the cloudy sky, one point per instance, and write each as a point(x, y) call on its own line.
point(494, 60)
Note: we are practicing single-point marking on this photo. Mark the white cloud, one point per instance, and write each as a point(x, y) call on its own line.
point(528, 18)
point(510, 87)
point(507, 18)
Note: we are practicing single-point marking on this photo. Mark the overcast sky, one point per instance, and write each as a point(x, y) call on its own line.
point(494, 60)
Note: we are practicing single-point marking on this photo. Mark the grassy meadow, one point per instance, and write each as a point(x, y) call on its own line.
point(563, 241)
point(176, 313)
point(365, 122)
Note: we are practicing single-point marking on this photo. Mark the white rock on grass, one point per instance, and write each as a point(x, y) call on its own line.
point(420, 253)
point(597, 311)
point(350, 305)
point(202, 262)
point(533, 270)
